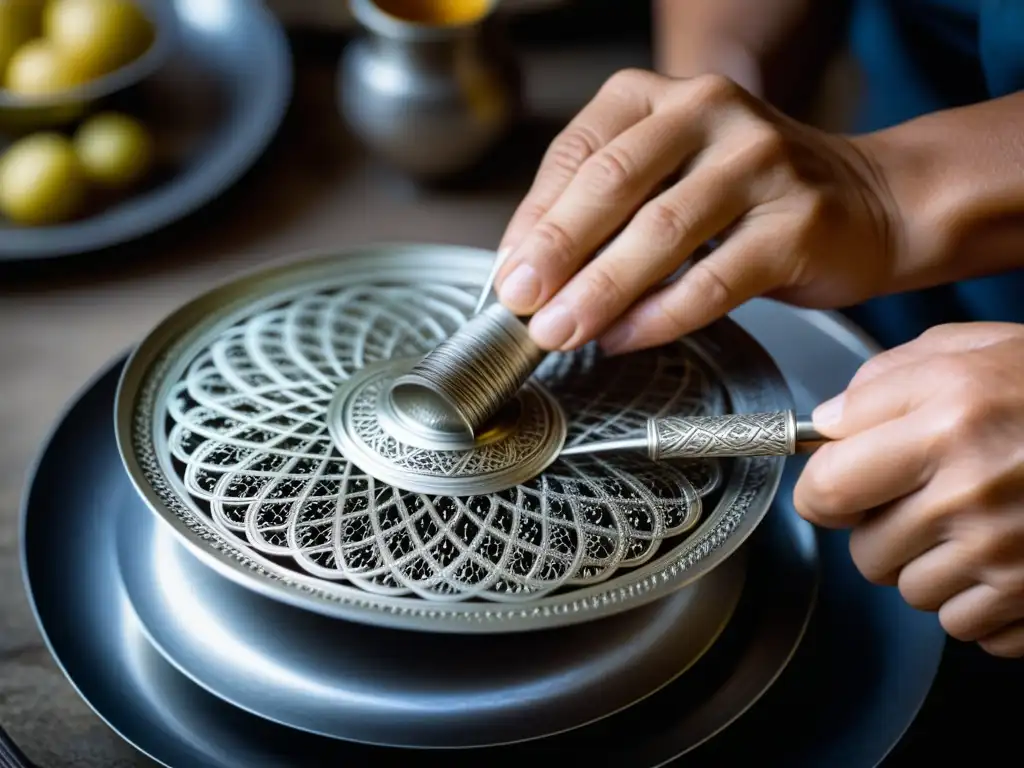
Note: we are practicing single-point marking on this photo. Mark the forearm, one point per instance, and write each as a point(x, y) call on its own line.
point(956, 179)
point(735, 38)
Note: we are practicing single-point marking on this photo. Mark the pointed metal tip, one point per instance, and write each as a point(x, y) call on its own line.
point(489, 283)
point(606, 446)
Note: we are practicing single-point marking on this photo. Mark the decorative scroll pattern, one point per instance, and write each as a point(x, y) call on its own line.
point(249, 449)
point(753, 434)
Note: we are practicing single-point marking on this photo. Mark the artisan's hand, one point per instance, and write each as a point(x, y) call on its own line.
point(928, 471)
point(807, 220)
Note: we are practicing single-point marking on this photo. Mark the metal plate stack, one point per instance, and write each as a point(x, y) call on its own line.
point(276, 574)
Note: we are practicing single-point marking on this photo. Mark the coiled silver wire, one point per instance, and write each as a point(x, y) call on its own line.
point(474, 372)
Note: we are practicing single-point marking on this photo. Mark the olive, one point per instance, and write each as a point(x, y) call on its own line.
point(38, 68)
point(19, 23)
point(98, 35)
point(41, 181)
point(114, 150)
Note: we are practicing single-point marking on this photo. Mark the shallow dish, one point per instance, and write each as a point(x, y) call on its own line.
point(219, 98)
point(51, 110)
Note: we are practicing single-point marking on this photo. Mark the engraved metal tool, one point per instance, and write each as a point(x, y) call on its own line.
point(779, 433)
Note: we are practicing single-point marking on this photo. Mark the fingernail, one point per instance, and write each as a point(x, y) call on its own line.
point(829, 413)
point(618, 338)
point(552, 327)
point(521, 289)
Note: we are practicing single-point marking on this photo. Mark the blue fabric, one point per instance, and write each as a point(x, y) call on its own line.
point(921, 56)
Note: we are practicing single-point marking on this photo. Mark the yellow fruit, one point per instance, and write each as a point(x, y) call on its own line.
point(41, 181)
point(98, 35)
point(114, 150)
point(37, 68)
point(19, 23)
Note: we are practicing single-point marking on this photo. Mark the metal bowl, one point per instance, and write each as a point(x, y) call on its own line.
point(408, 689)
point(27, 113)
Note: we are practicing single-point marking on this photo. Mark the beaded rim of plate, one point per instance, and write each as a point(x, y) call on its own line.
point(746, 372)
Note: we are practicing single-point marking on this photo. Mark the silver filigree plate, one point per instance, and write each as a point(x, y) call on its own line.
point(222, 424)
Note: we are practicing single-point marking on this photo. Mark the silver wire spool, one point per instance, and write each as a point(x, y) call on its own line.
point(466, 380)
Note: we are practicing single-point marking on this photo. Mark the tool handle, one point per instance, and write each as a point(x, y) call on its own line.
point(779, 433)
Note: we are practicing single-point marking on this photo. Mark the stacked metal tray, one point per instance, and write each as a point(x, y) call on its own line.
point(256, 559)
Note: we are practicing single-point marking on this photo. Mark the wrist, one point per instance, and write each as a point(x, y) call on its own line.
point(954, 183)
point(679, 55)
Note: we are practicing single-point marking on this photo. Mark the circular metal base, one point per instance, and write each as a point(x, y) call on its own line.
point(358, 683)
point(393, 446)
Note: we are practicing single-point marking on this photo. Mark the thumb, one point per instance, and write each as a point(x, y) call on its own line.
point(875, 400)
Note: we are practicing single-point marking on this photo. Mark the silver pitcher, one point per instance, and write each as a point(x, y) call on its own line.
point(430, 100)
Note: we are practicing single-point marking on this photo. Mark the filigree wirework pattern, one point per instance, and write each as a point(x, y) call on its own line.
point(247, 431)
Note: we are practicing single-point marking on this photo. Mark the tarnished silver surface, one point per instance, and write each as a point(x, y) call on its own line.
point(390, 687)
point(462, 383)
point(431, 101)
point(387, 448)
point(780, 433)
point(222, 422)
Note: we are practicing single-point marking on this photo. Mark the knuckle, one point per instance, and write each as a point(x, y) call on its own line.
point(559, 244)
point(599, 289)
point(710, 284)
point(674, 316)
point(967, 402)
point(764, 149)
point(626, 83)
point(1009, 580)
point(571, 149)
point(872, 369)
point(609, 173)
point(531, 212)
point(712, 90)
point(664, 225)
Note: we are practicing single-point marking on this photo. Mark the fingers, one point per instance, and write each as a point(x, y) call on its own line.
point(625, 100)
point(604, 194)
point(659, 238)
point(932, 578)
point(732, 274)
point(1007, 643)
point(980, 612)
point(902, 384)
point(886, 541)
point(845, 479)
point(950, 338)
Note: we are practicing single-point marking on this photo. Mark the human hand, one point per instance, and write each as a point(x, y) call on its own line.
point(928, 471)
point(806, 218)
